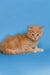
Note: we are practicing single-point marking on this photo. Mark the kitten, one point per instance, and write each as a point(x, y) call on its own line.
point(25, 43)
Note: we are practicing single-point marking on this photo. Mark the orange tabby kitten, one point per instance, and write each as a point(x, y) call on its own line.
point(26, 43)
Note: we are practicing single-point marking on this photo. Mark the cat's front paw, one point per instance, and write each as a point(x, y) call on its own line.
point(41, 50)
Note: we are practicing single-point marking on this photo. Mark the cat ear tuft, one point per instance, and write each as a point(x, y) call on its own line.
point(41, 28)
point(29, 28)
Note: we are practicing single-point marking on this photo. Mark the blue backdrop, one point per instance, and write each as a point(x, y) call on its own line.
point(15, 15)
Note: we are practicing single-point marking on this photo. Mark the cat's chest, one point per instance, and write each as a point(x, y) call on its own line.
point(32, 44)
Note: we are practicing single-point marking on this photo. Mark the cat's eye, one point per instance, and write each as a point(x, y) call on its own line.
point(37, 34)
point(32, 34)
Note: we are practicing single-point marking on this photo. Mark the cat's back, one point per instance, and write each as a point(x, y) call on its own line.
point(18, 37)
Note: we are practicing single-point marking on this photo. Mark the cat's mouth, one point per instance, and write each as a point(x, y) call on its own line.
point(35, 39)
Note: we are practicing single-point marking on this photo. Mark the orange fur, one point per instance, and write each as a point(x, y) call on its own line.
point(25, 43)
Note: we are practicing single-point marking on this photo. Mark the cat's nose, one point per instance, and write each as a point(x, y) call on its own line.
point(34, 38)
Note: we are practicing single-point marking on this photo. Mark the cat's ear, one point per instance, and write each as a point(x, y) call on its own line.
point(29, 28)
point(41, 28)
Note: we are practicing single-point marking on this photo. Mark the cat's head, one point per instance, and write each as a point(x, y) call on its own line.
point(35, 32)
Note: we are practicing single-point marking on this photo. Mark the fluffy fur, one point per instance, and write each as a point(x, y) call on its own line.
point(26, 43)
